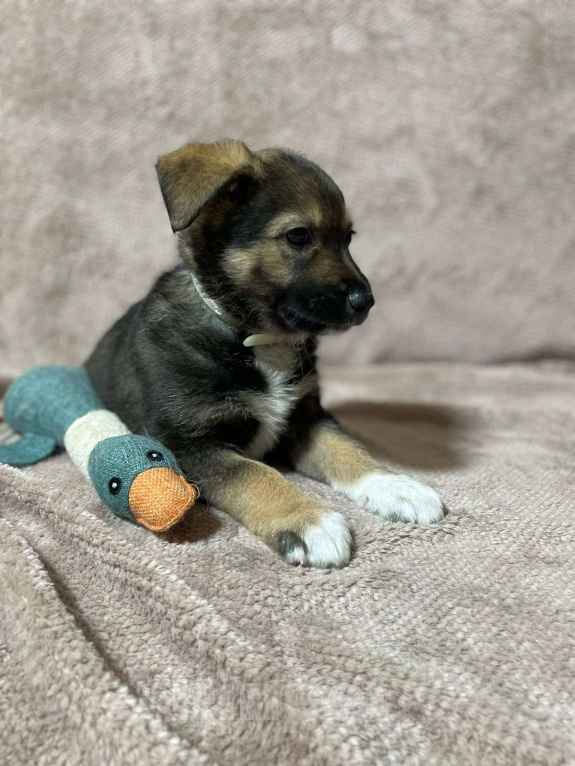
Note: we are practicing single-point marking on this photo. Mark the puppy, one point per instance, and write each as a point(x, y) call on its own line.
point(218, 361)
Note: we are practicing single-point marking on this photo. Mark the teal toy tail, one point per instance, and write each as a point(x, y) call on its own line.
point(41, 404)
point(29, 449)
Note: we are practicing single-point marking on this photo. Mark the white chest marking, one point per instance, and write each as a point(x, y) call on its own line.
point(272, 409)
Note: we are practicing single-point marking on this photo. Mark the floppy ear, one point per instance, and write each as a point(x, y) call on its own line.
point(192, 176)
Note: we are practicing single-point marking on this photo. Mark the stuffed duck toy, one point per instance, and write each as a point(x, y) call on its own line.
point(135, 476)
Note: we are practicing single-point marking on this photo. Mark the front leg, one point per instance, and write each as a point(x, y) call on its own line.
point(297, 527)
point(322, 451)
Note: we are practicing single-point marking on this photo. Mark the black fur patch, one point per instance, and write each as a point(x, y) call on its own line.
point(287, 542)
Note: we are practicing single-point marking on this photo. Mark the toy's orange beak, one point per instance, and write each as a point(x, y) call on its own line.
point(159, 497)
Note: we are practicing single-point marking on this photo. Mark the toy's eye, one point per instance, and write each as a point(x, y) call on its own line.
point(298, 237)
point(155, 455)
point(115, 485)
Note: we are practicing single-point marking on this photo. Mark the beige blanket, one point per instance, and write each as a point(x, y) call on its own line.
point(446, 644)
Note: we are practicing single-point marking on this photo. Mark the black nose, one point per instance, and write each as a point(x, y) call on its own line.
point(360, 298)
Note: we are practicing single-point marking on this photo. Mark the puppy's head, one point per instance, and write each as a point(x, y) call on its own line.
point(267, 234)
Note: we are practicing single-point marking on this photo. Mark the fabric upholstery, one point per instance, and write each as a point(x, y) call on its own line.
point(448, 126)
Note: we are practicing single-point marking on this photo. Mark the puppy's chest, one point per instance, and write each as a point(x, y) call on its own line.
point(272, 406)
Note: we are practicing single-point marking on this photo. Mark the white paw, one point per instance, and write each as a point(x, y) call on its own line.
point(327, 544)
point(397, 498)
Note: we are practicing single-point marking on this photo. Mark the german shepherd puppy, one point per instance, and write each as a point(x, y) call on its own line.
point(218, 361)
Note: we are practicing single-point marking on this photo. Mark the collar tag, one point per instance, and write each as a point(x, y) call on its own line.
point(262, 339)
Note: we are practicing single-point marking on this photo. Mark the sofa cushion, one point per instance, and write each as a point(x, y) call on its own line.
point(447, 125)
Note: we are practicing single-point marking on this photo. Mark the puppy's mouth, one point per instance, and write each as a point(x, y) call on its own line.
point(298, 320)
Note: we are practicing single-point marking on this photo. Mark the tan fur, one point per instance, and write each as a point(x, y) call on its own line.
point(266, 256)
point(261, 499)
point(309, 216)
point(239, 264)
point(328, 270)
point(333, 457)
point(314, 211)
point(191, 175)
point(270, 154)
point(283, 223)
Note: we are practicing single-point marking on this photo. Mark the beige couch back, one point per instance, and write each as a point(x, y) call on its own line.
point(449, 126)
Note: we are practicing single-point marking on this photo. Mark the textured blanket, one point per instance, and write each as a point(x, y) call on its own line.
point(445, 644)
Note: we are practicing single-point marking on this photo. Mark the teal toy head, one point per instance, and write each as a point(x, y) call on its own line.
point(139, 479)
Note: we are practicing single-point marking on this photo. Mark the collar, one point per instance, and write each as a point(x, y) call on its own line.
point(257, 339)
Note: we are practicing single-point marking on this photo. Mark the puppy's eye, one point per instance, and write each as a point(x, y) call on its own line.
point(155, 455)
point(298, 237)
point(350, 234)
